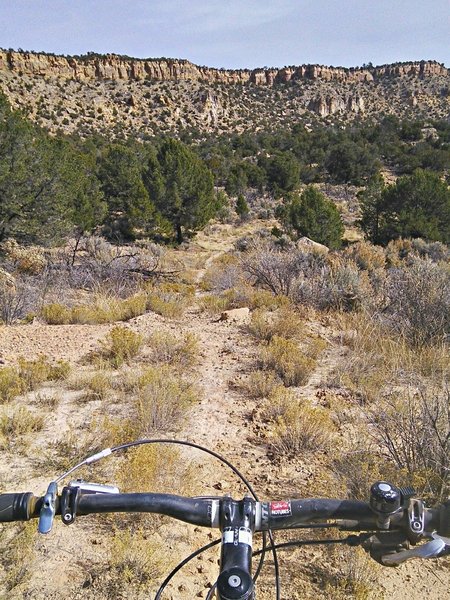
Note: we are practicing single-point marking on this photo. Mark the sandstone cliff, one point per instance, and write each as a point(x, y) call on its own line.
point(113, 67)
point(119, 96)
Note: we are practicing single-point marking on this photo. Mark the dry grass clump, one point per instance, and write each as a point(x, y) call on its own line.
point(73, 447)
point(20, 421)
point(120, 346)
point(358, 468)
point(297, 427)
point(260, 384)
point(96, 385)
point(102, 309)
point(17, 556)
point(366, 256)
point(48, 401)
point(163, 399)
point(29, 260)
point(258, 298)
point(355, 576)
point(214, 305)
point(378, 359)
point(401, 250)
point(288, 361)
point(11, 384)
point(134, 563)
point(284, 323)
point(29, 375)
point(35, 372)
point(170, 300)
point(176, 350)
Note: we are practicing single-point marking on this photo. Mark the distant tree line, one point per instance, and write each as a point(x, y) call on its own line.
point(166, 189)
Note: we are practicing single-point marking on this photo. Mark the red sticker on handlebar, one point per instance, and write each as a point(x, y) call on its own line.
point(280, 509)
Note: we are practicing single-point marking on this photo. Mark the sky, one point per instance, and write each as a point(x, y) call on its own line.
point(234, 33)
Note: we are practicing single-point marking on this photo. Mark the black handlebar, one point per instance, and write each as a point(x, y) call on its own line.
point(205, 511)
point(196, 511)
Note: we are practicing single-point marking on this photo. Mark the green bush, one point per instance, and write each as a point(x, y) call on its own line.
point(314, 216)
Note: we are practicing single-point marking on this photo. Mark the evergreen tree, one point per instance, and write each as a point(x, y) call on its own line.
point(182, 187)
point(314, 216)
point(40, 181)
point(129, 206)
point(416, 205)
point(242, 208)
point(371, 199)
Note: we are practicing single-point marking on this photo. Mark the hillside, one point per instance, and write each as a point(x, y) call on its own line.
point(125, 96)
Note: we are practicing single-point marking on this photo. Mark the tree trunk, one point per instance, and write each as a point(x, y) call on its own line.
point(179, 234)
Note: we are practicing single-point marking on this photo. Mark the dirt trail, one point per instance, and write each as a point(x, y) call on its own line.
point(221, 421)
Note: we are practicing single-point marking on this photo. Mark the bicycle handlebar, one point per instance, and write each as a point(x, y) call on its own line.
point(390, 529)
point(205, 512)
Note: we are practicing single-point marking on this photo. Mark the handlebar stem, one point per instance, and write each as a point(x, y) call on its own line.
point(237, 525)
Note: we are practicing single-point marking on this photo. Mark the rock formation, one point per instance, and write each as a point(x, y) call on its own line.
point(114, 67)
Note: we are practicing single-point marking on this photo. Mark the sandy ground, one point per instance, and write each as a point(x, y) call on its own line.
point(222, 421)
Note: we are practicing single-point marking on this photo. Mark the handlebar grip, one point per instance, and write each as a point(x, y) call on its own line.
point(16, 507)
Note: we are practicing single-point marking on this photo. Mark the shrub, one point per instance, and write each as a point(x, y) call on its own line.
point(11, 385)
point(224, 274)
point(121, 345)
point(12, 299)
point(300, 428)
point(284, 323)
point(314, 216)
point(414, 431)
point(288, 361)
point(163, 399)
point(272, 268)
point(339, 285)
point(175, 350)
point(260, 384)
point(418, 301)
point(20, 422)
point(435, 251)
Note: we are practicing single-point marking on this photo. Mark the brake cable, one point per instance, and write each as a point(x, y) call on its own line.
point(351, 540)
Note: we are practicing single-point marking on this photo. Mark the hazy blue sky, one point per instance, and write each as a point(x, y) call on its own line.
point(234, 33)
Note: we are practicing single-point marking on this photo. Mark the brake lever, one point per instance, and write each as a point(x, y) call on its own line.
point(48, 510)
point(436, 547)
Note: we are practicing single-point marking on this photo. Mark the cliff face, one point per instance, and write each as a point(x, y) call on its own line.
point(119, 96)
point(117, 68)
